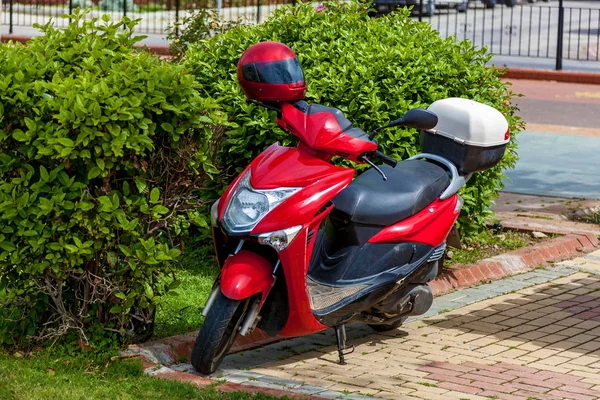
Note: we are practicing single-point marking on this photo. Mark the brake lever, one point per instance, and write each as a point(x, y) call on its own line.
point(375, 167)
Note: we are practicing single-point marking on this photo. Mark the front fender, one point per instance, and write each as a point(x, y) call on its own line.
point(246, 274)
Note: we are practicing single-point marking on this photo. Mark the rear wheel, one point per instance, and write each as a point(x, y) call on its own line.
point(388, 327)
point(221, 327)
point(489, 3)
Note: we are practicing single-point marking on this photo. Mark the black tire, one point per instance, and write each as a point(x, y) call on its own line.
point(489, 3)
point(388, 327)
point(510, 3)
point(221, 327)
point(531, 1)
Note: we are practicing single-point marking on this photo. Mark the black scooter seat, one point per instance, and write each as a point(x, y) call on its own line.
point(411, 186)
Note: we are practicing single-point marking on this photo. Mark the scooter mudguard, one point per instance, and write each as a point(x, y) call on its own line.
point(246, 274)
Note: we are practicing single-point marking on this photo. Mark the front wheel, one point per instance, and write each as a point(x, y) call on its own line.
point(388, 327)
point(220, 329)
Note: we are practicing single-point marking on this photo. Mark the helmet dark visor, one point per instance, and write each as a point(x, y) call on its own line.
point(275, 72)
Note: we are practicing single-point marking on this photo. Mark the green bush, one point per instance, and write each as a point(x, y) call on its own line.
point(374, 70)
point(196, 25)
point(102, 150)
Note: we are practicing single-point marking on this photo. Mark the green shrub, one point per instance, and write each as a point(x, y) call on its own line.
point(196, 25)
point(102, 150)
point(374, 70)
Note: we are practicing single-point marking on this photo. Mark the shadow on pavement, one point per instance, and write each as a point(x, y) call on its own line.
point(553, 320)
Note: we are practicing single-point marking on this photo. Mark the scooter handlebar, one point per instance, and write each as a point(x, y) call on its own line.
point(386, 159)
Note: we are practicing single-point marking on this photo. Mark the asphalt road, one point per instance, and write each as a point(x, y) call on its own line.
point(558, 103)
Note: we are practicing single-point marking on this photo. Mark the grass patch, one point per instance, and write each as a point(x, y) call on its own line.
point(196, 271)
point(489, 244)
point(55, 377)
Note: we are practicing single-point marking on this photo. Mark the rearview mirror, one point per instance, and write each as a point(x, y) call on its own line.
point(417, 118)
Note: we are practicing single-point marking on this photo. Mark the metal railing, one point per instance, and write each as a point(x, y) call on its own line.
point(550, 30)
point(543, 30)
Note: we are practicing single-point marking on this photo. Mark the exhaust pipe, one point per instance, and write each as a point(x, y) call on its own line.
point(413, 301)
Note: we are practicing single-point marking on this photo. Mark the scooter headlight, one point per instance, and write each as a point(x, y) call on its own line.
point(248, 205)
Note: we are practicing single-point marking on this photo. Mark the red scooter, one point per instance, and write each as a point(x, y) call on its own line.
point(304, 247)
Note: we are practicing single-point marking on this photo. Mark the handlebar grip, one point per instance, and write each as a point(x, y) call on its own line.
point(386, 159)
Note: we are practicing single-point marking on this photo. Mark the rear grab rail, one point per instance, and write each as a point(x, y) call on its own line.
point(457, 180)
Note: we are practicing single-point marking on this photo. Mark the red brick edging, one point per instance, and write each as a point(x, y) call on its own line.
point(551, 75)
point(514, 262)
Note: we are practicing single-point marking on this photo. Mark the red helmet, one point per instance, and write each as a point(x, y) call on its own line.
point(270, 71)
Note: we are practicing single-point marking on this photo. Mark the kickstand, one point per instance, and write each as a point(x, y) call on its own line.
point(340, 335)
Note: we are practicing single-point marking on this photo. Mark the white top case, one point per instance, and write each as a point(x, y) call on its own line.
point(469, 122)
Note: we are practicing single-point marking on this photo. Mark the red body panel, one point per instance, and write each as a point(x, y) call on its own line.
point(246, 274)
point(430, 226)
point(301, 320)
point(322, 133)
point(280, 166)
point(288, 167)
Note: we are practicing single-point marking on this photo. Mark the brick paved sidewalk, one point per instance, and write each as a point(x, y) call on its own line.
point(540, 341)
